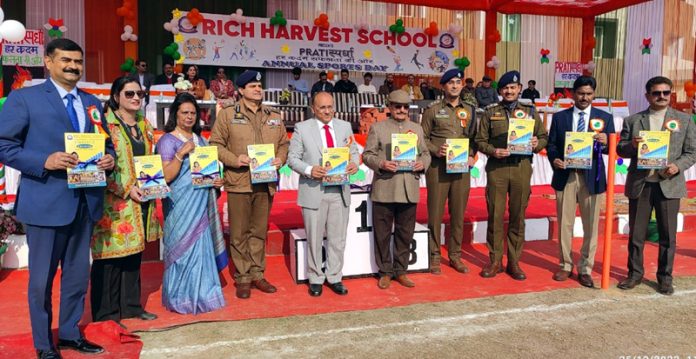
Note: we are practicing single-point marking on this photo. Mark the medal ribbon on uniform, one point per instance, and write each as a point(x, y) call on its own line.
point(672, 126)
point(519, 114)
point(597, 125)
point(463, 117)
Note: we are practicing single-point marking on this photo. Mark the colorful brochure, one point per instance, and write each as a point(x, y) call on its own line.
point(404, 146)
point(578, 150)
point(205, 167)
point(151, 177)
point(261, 163)
point(89, 148)
point(457, 155)
point(335, 160)
point(520, 132)
point(653, 152)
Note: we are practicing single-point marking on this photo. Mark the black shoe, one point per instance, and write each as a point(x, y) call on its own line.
point(48, 354)
point(629, 283)
point(338, 288)
point(146, 316)
point(81, 345)
point(665, 288)
point(315, 290)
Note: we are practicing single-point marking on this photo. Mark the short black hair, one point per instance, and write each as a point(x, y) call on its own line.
point(367, 74)
point(62, 44)
point(296, 71)
point(584, 81)
point(469, 80)
point(531, 82)
point(657, 80)
point(344, 71)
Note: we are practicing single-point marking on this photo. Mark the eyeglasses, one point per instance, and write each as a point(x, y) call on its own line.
point(664, 93)
point(130, 94)
point(400, 106)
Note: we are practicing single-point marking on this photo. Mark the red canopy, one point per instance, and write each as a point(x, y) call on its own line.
point(568, 8)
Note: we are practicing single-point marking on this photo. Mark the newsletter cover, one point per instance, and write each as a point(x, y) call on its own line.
point(205, 167)
point(457, 155)
point(151, 177)
point(520, 132)
point(578, 150)
point(404, 146)
point(653, 152)
point(89, 148)
point(261, 165)
point(335, 161)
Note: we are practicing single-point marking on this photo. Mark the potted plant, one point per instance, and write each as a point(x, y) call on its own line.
point(284, 97)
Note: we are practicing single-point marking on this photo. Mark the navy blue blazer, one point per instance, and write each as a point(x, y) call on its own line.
point(562, 122)
point(32, 126)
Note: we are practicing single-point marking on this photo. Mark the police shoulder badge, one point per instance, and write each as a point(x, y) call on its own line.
point(672, 125)
point(597, 124)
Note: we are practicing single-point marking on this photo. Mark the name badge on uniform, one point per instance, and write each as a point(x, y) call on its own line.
point(274, 122)
point(239, 120)
point(498, 116)
point(442, 114)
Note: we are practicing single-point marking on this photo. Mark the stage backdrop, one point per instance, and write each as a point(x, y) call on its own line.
point(256, 43)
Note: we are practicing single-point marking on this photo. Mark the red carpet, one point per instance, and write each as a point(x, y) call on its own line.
point(539, 261)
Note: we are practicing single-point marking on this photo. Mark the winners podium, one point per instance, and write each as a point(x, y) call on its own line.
point(359, 254)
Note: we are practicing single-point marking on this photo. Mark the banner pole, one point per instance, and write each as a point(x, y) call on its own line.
point(609, 212)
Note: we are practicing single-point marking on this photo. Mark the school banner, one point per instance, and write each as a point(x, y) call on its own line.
point(219, 40)
point(28, 53)
point(566, 73)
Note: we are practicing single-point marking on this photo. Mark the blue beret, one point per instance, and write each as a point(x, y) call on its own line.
point(509, 78)
point(450, 74)
point(248, 76)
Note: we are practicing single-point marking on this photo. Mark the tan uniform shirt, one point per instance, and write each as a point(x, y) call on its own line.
point(234, 129)
point(442, 121)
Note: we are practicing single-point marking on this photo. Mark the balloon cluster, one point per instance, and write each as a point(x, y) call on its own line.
point(454, 29)
point(397, 27)
point(646, 46)
point(127, 10)
point(279, 19)
point(322, 21)
point(493, 63)
point(128, 65)
point(172, 50)
point(544, 55)
point(11, 30)
point(494, 37)
point(431, 30)
point(690, 89)
point(55, 28)
point(556, 96)
point(194, 17)
point(128, 34)
point(172, 26)
point(238, 16)
point(462, 63)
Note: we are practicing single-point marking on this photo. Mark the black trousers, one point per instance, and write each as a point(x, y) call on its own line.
point(115, 293)
point(666, 212)
point(403, 217)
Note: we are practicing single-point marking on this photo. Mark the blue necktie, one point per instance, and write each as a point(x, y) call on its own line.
point(72, 114)
point(581, 122)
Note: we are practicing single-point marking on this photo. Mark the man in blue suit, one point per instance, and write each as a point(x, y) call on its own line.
point(579, 186)
point(58, 220)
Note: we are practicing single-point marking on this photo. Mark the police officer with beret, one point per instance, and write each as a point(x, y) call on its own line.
point(248, 122)
point(508, 175)
point(448, 118)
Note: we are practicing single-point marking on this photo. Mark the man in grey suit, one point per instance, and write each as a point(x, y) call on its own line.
point(324, 207)
point(658, 189)
point(395, 194)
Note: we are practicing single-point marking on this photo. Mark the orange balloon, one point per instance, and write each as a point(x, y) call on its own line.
point(330, 75)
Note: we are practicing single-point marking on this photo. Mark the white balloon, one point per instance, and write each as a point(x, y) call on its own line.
point(124, 37)
point(489, 64)
point(175, 30)
point(133, 37)
point(12, 30)
point(239, 12)
point(168, 26)
point(2, 15)
point(48, 26)
point(128, 29)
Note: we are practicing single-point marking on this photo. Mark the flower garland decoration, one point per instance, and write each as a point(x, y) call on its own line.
point(646, 46)
point(544, 55)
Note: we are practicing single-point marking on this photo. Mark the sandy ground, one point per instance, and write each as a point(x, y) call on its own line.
point(569, 323)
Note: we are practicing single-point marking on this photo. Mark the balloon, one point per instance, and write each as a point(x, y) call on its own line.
point(279, 13)
point(399, 22)
point(125, 37)
point(330, 75)
point(176, 56)
point(133, 37)
point(12, 30)
point(2, 17)
point(128, 29)
point(175, 30)
point(168, 26)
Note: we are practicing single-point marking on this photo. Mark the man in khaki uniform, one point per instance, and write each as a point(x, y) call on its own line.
point(448, 118)
point(507, 174)
point(395, 194)
point(247, 123)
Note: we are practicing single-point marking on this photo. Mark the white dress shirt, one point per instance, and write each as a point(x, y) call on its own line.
point(322, 134)
point(586, 118)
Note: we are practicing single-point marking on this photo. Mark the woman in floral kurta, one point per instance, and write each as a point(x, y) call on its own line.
point(119, 237)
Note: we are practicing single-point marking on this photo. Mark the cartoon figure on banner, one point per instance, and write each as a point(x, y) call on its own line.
point(242, 52)
point(22, 75)
point(414, 59)
point(195, 48)
point(438, 61)
point(216, 47)
point(396, 58)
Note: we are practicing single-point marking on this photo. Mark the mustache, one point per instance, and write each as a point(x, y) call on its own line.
point(72, 71)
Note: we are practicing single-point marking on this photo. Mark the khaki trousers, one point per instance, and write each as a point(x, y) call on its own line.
point(248, 217)
point(575, 193)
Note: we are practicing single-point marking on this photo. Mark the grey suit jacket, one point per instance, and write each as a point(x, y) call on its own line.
point(682, 152)
point(306, 150)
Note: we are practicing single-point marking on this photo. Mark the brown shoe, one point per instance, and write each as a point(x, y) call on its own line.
point(243, 290)
point(403, 280)
point(491, 270)
point(586, 280)
point(264, 286)
point(435, 270)
point(562, 275)
point(384, 282)
point(514, 270)
point(459, 266)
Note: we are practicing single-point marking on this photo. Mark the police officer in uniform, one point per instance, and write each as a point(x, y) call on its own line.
point(508, 175)
point(450, 117)
point(248, 122)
